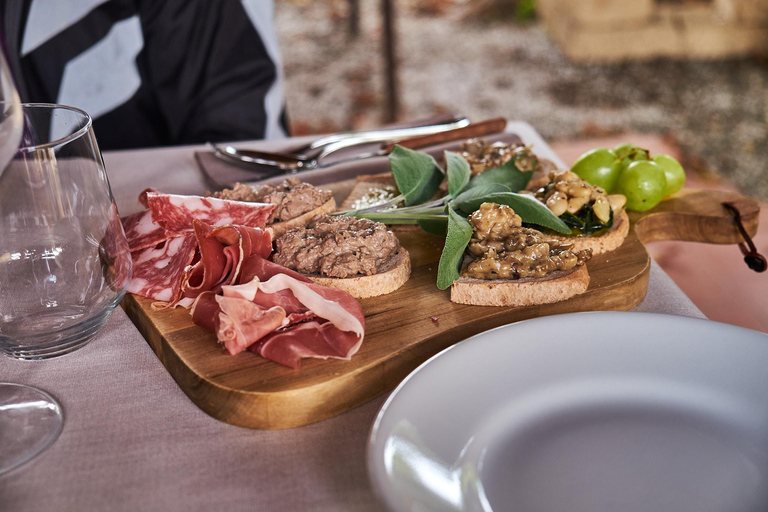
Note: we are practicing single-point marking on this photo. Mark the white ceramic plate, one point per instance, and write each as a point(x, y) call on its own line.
point(592, 412)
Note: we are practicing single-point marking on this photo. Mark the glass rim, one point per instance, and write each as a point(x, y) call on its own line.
point(63, 140)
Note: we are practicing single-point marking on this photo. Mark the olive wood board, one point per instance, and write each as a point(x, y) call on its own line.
point(406, 327)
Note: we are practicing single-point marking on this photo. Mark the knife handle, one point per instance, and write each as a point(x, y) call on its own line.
point(495, 125)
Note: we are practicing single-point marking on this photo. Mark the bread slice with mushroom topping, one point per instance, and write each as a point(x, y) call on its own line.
point(506, 264)
point(568, 196)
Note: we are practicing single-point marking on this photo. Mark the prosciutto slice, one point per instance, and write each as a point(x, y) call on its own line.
point(282, 318)
point(222, 251)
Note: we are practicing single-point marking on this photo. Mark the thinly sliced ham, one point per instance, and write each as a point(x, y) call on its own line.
point(222, 251)
point(158, 272)
point(175, 213)
point(315, 339)
point(316, 321)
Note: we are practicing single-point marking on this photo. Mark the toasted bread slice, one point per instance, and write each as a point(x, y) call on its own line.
point(556, 287)
point(603, 243)
point(278, 228)
point(364, 183)
point(391, 277)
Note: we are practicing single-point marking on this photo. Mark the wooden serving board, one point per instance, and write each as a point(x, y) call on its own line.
point(408, 326)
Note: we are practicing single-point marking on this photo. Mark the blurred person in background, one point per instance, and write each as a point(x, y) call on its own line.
point(151, 72)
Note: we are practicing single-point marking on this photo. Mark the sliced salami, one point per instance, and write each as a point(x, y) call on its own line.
point(160, 271)
point(142, 232)
point(175, 213)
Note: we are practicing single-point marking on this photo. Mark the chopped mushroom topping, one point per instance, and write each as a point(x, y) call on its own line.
point(482, 155)
point(501, 248)
point(567, 192)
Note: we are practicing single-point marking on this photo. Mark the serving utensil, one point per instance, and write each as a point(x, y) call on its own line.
point(410, 137)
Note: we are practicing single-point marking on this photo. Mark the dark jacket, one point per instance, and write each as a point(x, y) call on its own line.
point(151, 72)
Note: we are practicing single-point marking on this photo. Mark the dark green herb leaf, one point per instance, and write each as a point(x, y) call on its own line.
point(416, 174)
point(472, 195)
point(459, 234)
point(507, 174)
point(526, 206)
point(585, 222)
point(435, 227)
point(458, 171)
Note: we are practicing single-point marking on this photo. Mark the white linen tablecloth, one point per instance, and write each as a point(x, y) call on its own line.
point(133, 441)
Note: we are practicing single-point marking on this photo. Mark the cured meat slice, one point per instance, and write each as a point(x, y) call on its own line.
point(336, 306)
point(213, 267)
point(142, 232)
point(264, 269)
point(283, 318)
point(316, 339)
point(175, 213)
point(159, 272)
point(241, 322)
point(222, 251)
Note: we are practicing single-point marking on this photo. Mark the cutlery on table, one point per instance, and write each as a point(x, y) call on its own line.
point(306, 157)
point(411, 137)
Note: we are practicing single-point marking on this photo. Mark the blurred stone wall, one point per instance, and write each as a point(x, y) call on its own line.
point(612, 30)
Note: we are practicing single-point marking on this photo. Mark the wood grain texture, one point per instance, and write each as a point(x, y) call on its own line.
point(408, 326)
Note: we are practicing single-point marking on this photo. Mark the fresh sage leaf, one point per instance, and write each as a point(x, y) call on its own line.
point(435, 227)
point(416, 174)
point(531, 210)
point(458, 171)
point(472, 195)
point(507, 174)
point(456, 241)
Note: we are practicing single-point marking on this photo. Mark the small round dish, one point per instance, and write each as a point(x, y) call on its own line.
point(597, 412)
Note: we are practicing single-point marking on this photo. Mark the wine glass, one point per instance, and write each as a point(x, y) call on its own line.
point(30, 419)
point(64, 259)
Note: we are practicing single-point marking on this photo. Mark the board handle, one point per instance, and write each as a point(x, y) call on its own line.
point(694, 215)
point(752, 258)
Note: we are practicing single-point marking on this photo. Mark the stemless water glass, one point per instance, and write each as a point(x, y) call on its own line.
point(64, 259)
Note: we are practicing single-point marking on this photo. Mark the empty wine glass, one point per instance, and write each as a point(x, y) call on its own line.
point(64, 260)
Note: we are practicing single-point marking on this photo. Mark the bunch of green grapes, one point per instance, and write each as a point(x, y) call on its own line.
point(630, 170)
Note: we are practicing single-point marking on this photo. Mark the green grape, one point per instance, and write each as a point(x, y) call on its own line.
point(643, 183)
point(600, 167)
point(673, 171)
point(629, 153)
point(625, 150)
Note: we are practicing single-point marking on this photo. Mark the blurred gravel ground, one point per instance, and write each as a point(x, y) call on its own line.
point(716, 111)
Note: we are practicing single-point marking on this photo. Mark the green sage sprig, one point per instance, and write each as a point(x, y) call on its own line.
point(418, 177)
